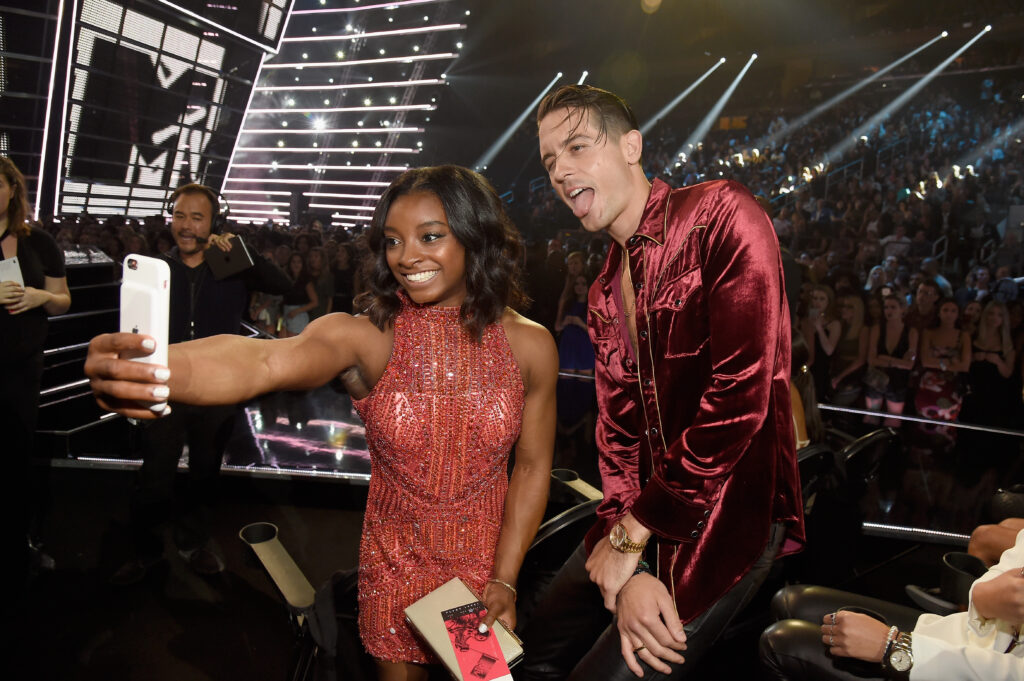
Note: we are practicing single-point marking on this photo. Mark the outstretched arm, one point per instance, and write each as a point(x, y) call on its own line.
point(221, 369)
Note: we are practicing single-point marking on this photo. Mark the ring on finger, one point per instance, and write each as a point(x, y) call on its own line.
point(833, 619)
point(639, 648)
point(830, 642)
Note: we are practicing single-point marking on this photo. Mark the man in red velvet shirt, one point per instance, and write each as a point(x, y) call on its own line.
point(691, 333)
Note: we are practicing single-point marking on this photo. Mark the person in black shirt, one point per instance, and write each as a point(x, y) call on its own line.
point(23, 325)
point(201, 306)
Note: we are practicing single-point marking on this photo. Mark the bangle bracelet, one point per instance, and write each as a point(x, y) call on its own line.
point(889, 640)
point(642, 568)
point(515, 594)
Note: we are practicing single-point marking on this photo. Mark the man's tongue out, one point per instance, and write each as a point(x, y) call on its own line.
point(581, 202)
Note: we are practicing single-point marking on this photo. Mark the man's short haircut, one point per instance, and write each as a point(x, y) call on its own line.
point(609, 111)
point(195, 188)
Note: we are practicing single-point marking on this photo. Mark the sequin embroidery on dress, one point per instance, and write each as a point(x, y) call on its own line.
point(440, 424)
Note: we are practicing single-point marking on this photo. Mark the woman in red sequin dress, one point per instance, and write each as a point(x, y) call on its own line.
point(448, 379)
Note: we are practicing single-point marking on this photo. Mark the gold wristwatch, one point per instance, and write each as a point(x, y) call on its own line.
point(620, 541)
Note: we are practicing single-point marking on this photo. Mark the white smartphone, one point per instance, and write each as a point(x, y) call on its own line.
point(146, 304)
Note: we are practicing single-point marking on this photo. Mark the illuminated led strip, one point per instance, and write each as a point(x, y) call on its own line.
point(342, 207)
point(362, 62)
point(254, 211)
point(357, 218)
point(334, 150)
point(353, 86)
point(310, 166)
point(342, 196)
point(64, 115)
point(327, 131)
point(374, 34)
point(348, 109)
point(251, 191)
point(243, 202)
point(49, 104)
point(388, 5)
point(270, 180)
point(245, 116)
point(238, 35)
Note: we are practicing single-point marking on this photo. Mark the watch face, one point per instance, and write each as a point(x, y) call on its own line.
point(900, 660)
point(617, 534)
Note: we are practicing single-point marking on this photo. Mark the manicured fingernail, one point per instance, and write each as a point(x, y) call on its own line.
point(161, 392)
point(166, 411)
point(482, 628)
point(161, 374)
point(149, 344)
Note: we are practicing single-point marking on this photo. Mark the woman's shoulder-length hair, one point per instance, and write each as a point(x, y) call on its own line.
point(477, 219)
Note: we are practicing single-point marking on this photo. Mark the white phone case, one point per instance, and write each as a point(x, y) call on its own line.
point(146, 304)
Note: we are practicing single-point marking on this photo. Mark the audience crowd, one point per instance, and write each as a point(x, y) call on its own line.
point(906, 260)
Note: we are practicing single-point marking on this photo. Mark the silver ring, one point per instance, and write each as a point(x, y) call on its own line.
point(830, 643)
point(833, 619)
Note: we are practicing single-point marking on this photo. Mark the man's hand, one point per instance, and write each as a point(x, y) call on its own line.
point(119, 384)
point(610, 569)
point(649, 627)
point(1001, 598)
point(221, 241)
point(854, 634)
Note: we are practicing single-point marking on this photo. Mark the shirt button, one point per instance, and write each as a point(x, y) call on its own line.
point(707, 514)
point(639, 286)
point(647, 381)
point(602, 280)
point(694, 534)
point(700, 524)
point(654, 432)
point(632, 240)
point(643, 334)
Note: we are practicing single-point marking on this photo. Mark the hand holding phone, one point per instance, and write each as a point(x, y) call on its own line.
point(145, 306)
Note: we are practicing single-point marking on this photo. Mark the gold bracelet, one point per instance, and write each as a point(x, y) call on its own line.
point(515, 594)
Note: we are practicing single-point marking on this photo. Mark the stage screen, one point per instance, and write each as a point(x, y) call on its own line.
point(261, 21)
point(153, 101)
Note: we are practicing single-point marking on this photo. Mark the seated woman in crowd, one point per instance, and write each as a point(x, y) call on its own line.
point(821, 328)
point(877, 278)
point(851, 352)
point(970, 315)
point(323, 281)
point(300, 299)
point(945, 357)
point(991, 399)
point(892, 347)
point(344, 279)
point(575, 351)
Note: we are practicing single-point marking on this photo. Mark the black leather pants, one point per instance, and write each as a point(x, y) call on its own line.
point(572, 636)
point(792, 647)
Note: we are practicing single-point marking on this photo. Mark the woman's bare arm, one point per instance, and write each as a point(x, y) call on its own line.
point(223, 369)
point(531, 476)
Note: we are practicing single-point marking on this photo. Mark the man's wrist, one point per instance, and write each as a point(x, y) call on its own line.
point(636, 531)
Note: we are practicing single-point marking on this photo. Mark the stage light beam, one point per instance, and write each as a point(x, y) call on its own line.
point(488, 156)
point(645, 128)
point(836, 152)
point(697, 136)
point(771, 141)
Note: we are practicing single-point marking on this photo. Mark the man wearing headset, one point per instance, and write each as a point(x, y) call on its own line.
point(200, 306)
